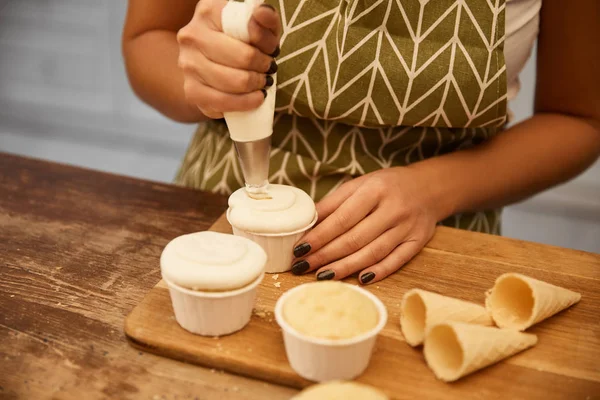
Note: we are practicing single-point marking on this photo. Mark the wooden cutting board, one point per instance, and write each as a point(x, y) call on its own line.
point(564, 364)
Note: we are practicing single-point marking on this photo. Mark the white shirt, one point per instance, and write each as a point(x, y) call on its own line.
point(522, 27)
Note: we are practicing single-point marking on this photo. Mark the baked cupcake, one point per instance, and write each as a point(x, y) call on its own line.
point(276, 221)
point(340, 390)
point(329, 329)
point(212, 278)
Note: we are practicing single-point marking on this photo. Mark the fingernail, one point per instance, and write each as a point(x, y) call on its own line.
point(366, 278)
point(325, 275)
point(276, 52)
point(268, 6)
point(300, 267)
point(269, 81)
point(264, 92)
point(272, 68)
point(301, 250)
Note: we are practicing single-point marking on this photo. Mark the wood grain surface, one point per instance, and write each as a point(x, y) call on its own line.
point(78, 251)
point(564, 364)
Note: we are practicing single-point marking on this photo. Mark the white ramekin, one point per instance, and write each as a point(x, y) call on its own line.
point(278, 246)
point(323, 360)
point(213, 313)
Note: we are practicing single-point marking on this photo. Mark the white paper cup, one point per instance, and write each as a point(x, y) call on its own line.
point(321, 360)
point(213, 313)
point(278, 246)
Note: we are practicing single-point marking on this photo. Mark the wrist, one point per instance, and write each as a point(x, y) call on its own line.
point(437, 186)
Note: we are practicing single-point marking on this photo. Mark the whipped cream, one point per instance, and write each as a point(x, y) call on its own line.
point(212, 261)
point(283, 209)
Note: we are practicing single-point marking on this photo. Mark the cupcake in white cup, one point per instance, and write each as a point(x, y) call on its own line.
point(212, 279)
point(276, 221)
point(329, 329)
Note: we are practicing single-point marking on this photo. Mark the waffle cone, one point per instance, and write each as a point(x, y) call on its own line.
point(455, 349)
point(517, 301)
point(421, 309)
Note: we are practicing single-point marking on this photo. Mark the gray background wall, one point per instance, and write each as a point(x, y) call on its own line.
point(64, 97)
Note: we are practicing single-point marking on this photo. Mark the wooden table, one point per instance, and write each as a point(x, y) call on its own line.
point(80, 250)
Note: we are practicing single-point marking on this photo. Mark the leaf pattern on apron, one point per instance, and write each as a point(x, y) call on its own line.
point(371, 84)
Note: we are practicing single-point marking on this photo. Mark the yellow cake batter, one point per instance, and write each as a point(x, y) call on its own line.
point(330, 310)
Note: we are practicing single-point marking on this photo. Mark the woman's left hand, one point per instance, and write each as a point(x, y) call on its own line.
point(373, 224)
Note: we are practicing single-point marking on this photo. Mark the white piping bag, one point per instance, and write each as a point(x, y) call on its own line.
point(250, 130)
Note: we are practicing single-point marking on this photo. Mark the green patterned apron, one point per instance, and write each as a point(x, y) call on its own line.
point(365, 85)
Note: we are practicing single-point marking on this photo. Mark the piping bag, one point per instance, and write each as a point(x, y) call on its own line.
point(250, 130)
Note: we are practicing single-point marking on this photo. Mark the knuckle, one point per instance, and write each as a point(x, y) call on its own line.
point(203, 8)
point(184, 64)
point(375, 254)
point(188, 88)
point(372, 256)
point(354, 242)
point(342, 219)
point(243, 82)
point(183, 34)
point(191, 91)
point(248, 55)
point(378, 188)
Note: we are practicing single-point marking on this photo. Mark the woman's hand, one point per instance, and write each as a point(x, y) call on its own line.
point(373, 225)
point(224, 74)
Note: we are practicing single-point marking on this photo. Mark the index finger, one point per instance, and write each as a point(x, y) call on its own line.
point(353, 210)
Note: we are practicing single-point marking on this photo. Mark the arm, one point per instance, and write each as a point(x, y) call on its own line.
point(560, 141)
point(150, 50)
point(180, 62)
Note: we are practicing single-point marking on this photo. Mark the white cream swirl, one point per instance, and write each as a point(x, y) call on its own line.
point(212, 261)
point(285, 209)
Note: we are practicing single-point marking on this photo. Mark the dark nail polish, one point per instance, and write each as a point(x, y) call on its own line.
point(268, 6)
point(301, 250)
point(300, 267)
point(272, 68)
point(276, 52)
point(366, 278)
point(264, 92)
point(269, 81)
point(325, 275)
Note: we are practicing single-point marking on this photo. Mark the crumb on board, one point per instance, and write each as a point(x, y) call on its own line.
point(275, 277)
point(260, 313)
point(377, 287)
point(277, 284)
